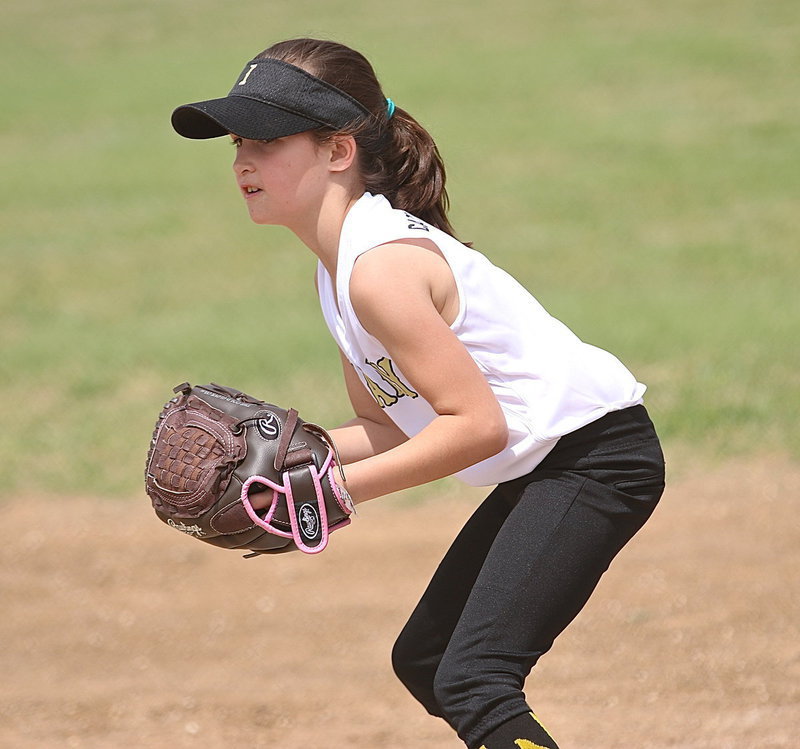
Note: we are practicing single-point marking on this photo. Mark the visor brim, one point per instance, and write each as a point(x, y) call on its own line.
point(238, 115)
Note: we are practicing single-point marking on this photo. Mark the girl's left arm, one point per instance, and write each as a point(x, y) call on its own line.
point(396, 291)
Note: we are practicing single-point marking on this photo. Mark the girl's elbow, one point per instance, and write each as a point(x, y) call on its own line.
point(496, 436)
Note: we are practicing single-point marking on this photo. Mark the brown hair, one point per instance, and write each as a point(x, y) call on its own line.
point(397, 156)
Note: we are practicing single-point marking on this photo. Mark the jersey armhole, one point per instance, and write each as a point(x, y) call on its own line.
point(425, 242)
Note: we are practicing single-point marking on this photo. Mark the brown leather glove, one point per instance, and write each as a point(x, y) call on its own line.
point(214, 446)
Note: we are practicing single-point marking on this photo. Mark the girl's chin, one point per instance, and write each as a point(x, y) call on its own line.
point(258, 217)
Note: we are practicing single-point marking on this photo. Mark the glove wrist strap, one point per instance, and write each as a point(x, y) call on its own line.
point(309, 527)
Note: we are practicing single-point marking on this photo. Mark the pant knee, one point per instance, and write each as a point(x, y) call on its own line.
point(439, 685)
point(403, 660)
point(416, 670)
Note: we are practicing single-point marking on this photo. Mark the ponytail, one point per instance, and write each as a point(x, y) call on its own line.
point(409, 171)
point(398, 158)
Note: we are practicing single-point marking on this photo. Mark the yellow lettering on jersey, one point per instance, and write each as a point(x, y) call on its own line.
point(525, 744)
point(383, 398)
point(385, 369)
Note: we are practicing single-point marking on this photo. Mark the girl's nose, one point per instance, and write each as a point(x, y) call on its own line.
point(241, 165)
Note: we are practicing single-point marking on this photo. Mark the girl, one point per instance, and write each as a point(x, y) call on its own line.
point(452, 369)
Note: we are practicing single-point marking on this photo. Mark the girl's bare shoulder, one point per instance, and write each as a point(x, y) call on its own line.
point(407, 276)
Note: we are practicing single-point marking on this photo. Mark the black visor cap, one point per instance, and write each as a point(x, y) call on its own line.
point(270, 99)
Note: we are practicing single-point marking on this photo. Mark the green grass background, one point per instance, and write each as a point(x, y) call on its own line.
point(635, 164)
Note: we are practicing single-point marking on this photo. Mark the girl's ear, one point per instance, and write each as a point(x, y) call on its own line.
point(343, 152)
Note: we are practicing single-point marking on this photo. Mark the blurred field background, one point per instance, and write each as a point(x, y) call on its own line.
point(636, 165)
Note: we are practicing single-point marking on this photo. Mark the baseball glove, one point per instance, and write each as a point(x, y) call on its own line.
point(213, 447)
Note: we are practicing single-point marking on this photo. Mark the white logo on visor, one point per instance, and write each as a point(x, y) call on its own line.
point(247, 74)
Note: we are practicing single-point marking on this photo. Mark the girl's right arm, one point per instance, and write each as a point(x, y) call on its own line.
point(371, 431)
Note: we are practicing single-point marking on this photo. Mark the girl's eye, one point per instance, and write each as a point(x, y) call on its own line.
point(237, 142)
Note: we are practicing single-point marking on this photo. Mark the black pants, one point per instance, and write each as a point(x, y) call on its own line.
point(522, 568)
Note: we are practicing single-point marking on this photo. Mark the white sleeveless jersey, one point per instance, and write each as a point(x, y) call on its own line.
point(548, 382)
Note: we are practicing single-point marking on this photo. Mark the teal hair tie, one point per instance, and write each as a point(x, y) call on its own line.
point(389, 108)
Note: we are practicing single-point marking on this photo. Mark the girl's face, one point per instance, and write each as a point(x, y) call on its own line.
point(282, 181)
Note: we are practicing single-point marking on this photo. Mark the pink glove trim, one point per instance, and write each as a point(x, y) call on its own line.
point(326, 471)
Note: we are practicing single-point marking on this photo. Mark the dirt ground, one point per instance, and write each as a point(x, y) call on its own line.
point(118, 632)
